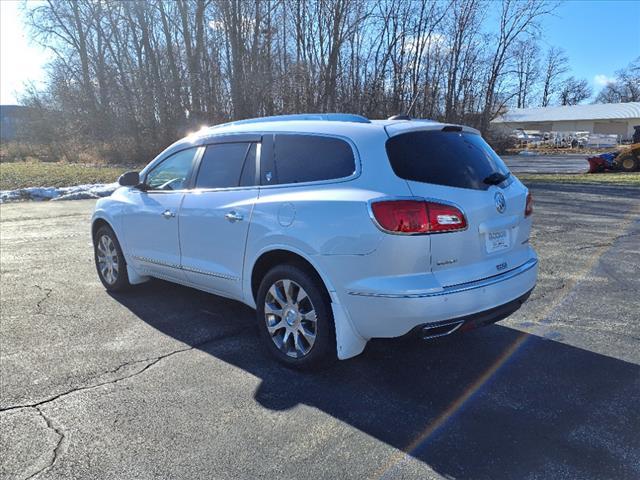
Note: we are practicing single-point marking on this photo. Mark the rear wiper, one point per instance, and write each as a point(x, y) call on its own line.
point(496, 178)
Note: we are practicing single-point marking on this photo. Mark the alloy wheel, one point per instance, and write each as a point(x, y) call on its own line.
point(107, 259)
point(291, 318)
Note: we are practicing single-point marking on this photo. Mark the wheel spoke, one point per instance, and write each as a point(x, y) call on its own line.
point(301, 296)
point(310, 316)
point(269, 309)
point(273, 291)
point(308, 335)
point(278, 326)
point(285, 339)
point(300, 349)
point(286, 286)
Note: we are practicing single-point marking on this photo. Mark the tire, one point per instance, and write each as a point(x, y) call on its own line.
point(113, 274)
point(629, 163)
point(286, 322)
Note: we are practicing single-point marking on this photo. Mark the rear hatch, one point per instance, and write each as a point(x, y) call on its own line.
point(459, 168)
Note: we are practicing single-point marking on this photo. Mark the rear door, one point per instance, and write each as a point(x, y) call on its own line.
point(460, 168)
point(215, 215)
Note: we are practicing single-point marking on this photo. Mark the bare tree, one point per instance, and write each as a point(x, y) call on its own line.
point(527, 71)
point(556, 65)
point(517, 19)
point(133, 76)
point(574, 91)
point(625, 87)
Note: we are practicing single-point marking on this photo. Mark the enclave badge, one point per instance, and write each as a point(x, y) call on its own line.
point(501, 203)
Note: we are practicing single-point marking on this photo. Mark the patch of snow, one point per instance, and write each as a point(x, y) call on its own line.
point(77, 192)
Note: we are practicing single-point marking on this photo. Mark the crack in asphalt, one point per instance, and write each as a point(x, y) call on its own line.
point(56, 449)
point(39, 303)
point(570, 284)
point(61, 436)
point(151, 362)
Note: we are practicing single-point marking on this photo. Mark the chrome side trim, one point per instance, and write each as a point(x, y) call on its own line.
point(187, 269)
point(462, 287)
point(210, 274)
point(157, 262)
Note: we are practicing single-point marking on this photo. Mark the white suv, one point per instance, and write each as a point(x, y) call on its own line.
point(335, 228)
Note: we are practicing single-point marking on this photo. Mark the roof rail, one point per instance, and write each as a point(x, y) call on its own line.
point(329, 117)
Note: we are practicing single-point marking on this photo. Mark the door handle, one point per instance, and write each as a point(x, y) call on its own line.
point(233, 216)
point(168, 214)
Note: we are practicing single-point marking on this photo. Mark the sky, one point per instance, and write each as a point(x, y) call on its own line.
point(599, 37)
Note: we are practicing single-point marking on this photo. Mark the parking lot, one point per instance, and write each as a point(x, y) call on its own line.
point(169, 382)
point(568, 163)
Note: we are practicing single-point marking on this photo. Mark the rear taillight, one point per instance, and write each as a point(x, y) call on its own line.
point(417, 216)
point(528, 208)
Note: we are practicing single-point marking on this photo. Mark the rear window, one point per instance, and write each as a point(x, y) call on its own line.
point(310, 158)
point(454, 159)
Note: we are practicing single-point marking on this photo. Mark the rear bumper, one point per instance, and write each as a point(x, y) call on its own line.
point(470, 322)
point(392, 314)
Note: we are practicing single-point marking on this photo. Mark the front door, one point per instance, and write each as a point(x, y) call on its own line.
point(215, 217)
point(151, 223)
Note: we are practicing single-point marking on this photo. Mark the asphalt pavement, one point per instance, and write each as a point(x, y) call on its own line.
point(569, 163)
point(168, 382)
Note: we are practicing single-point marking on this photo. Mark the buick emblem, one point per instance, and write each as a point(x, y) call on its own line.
point(501, 203)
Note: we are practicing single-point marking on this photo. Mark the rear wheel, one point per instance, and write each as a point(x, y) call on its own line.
point(629, 163)
point(295, 319)
point(110, 263)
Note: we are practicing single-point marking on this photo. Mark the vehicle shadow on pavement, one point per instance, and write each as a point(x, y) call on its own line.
point(491, 403)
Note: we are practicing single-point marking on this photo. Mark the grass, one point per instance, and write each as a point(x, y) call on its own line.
point(34, 174)
point(625, 179)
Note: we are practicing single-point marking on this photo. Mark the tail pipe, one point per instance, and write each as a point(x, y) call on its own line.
point(440, 330)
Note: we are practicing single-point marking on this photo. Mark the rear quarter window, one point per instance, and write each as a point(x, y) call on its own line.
point(455, 159)
point(311, 158)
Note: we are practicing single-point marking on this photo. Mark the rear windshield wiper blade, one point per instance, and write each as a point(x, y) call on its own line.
point(496, 178)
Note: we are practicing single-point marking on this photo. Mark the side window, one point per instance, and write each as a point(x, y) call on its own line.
point(248, 176)
point(222, 165)
point(173, 172)
point(309, 158)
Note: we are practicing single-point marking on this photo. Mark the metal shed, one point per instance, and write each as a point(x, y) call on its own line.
point(605, 118)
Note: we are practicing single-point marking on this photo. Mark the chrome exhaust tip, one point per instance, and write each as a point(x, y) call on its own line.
point(440, 330)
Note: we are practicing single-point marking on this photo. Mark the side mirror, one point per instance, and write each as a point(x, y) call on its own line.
point(129, 179)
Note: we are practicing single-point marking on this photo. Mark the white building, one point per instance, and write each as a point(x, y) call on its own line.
point(606, 118)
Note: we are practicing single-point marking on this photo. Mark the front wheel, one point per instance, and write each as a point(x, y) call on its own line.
point(295, 318)
point(110, 263)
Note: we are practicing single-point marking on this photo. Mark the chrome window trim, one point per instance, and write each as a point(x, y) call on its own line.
point(356, 160)
point(189, 180)
point(462, 287)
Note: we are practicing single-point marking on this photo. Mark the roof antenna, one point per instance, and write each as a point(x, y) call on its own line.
point(413, 103)
point(405, 116)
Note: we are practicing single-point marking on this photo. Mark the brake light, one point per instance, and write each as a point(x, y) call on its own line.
point(416, 216)
point(528, 208)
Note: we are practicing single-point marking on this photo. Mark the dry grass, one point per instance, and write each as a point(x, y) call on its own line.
point(33, 174)
point(617, 178)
